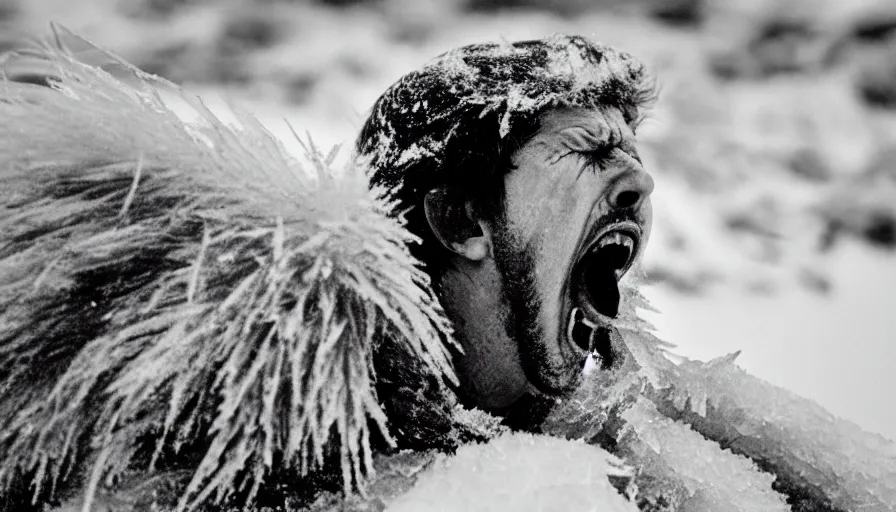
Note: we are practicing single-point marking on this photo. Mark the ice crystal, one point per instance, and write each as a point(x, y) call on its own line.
point(682, 460)
point(813, 453)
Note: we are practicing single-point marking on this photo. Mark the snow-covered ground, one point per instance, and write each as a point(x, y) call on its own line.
point(763, 143)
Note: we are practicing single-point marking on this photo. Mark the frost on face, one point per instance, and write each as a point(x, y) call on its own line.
point(421, 114)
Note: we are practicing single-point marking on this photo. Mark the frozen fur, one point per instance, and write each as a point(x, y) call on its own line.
point(167, 283)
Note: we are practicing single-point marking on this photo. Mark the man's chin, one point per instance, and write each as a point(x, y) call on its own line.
point(558, 375)
point(555, 387)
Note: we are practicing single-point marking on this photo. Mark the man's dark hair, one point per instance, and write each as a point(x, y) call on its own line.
point(457, 122)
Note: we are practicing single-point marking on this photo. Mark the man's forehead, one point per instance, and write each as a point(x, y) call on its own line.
point(602, 125)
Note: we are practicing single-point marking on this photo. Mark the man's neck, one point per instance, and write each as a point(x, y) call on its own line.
point(490, 370)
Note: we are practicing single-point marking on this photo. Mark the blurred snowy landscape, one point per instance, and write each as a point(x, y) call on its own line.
point(773, 145)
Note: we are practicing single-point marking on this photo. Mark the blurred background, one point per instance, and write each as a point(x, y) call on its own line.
point(773, 145)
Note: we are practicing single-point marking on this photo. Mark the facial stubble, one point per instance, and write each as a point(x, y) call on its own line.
point(515, 261)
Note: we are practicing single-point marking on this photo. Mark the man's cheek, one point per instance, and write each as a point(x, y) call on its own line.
point(543, 197)
point(555, 257)
point(563, 227)
point(534, 207)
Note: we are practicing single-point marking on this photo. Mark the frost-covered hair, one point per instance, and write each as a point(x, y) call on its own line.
point(457, 122)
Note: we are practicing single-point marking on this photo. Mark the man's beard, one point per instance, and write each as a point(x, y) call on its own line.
point(515, 262)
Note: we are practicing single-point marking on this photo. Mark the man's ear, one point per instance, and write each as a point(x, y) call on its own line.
point(455, 225)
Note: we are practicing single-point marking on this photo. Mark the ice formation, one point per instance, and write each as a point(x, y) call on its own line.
point(792, 436)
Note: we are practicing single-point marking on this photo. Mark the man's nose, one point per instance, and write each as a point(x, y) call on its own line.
point(630, 188)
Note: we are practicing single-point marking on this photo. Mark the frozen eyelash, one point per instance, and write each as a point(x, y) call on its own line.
point(597, 158)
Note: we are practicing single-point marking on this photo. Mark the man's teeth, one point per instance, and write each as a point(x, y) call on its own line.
point(577, 317)
point(615, 237)
point(585, 320)
point(590, 341)
point(574, 317)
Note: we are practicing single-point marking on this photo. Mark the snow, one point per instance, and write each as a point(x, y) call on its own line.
point(520, 472)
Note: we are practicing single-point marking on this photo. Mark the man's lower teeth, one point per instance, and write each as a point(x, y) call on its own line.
point(590, 338)
point(588, 323)
point(581, 330)
point(571, 324)
point(578, 332)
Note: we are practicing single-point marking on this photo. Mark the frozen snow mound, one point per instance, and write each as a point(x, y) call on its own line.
point(522, 472)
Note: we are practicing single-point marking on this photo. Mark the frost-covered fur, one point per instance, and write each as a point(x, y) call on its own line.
point(173, 287)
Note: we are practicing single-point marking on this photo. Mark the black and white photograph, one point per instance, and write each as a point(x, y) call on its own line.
point(448, 255)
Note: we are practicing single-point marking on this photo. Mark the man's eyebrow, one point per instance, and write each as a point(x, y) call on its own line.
point(583, 138)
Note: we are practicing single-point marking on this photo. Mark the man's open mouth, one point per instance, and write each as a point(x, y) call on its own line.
point(594, 291)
